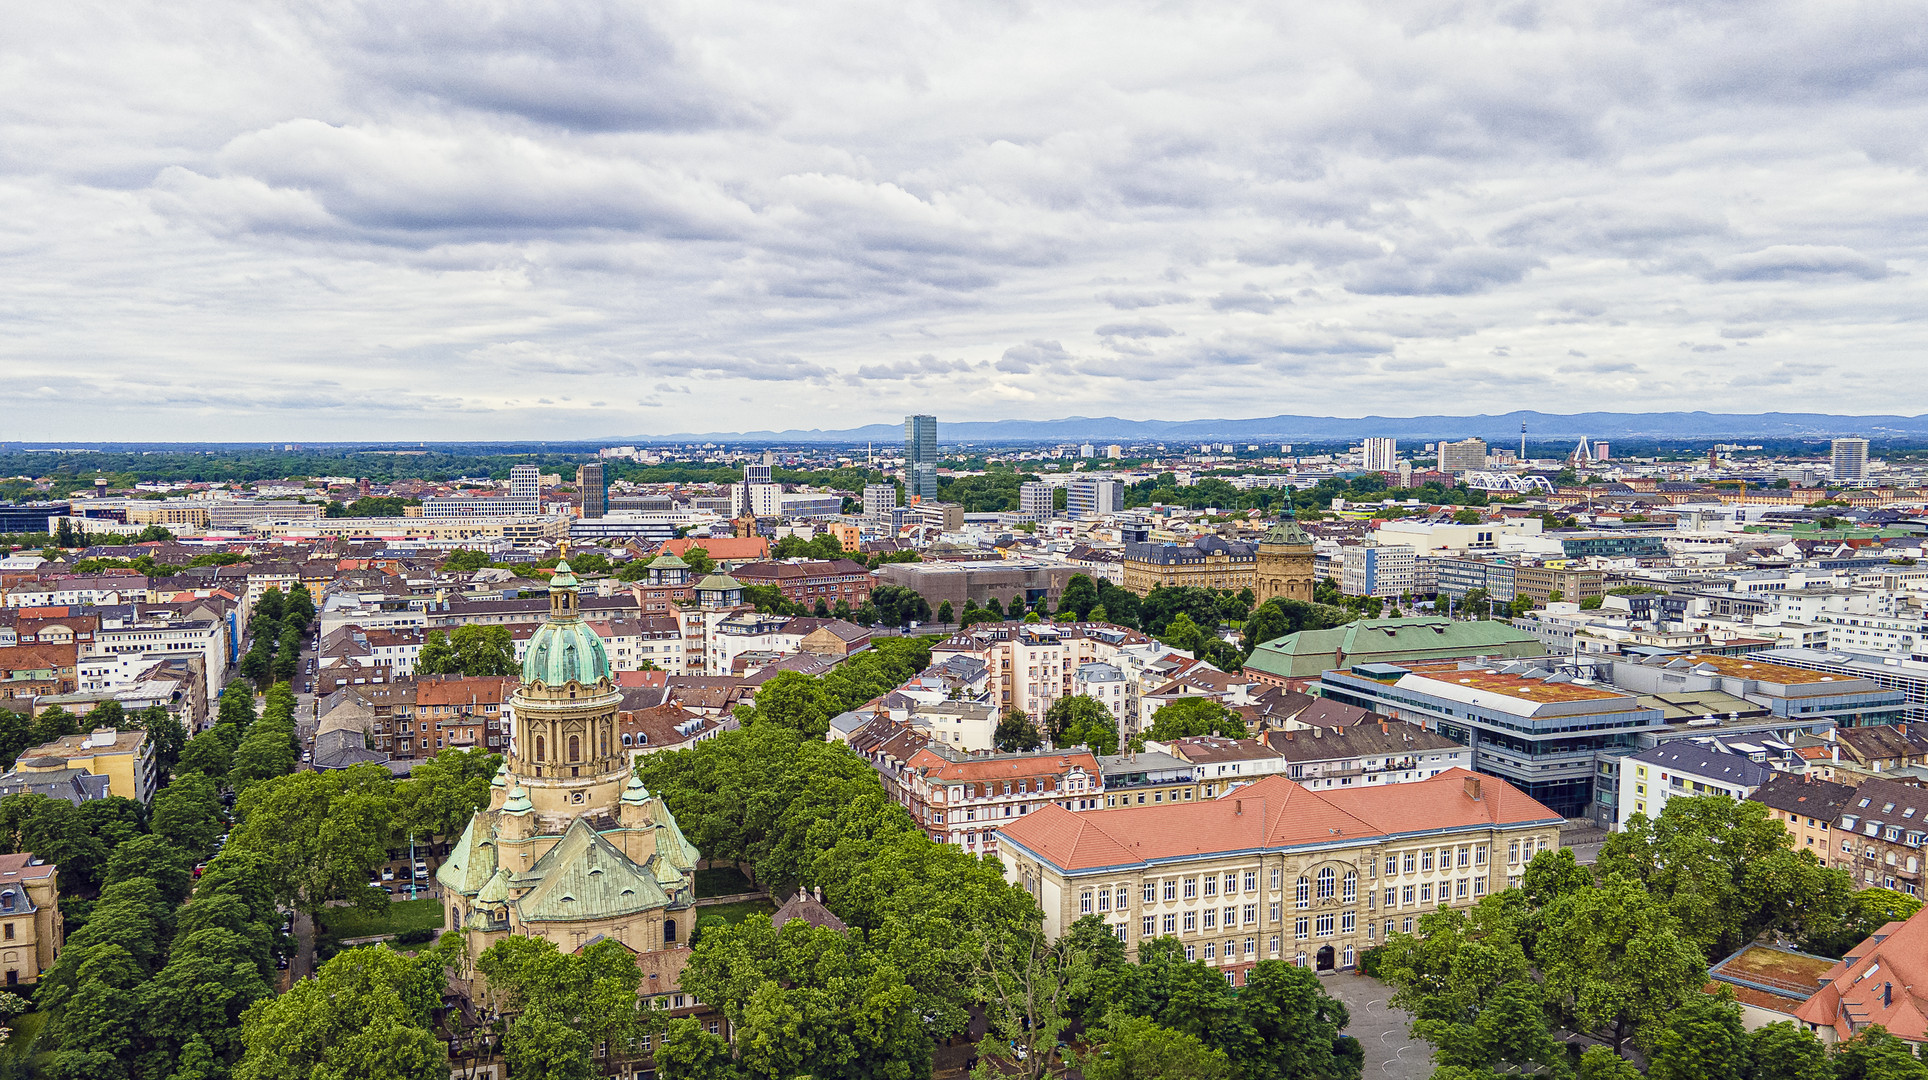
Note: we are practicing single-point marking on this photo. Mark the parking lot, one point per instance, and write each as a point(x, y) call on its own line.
point(1391, 1054)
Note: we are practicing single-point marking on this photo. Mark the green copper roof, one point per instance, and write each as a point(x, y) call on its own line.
point(666, 561)
point(716, 582)
point(565, 650)
point(1287, 531)
point(585, 877)
point(518, 801)
point(563, 578)
point(1388, 641)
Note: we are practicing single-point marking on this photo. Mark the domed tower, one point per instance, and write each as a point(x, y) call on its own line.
point(1285, 566)
point(565, 752)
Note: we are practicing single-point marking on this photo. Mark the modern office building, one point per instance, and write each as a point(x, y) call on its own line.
point(1034, 501)
point(525, 489)
point(1537, 730)
point(1382, 455)
point(1383, 571)
point(1850, 460)
point(879, 501)
point(1467, 455)
point(593, 489)
point(920, 456)
point(1094, 498)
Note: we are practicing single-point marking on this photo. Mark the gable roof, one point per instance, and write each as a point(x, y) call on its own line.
point(1269, 814)
point(1876, 983)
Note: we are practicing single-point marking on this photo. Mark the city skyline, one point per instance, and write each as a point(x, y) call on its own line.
point(603, 219)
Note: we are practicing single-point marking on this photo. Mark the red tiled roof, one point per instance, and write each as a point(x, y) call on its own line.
point(462, 690)
point(1271, 813)
point(720, 548)
point(1876, 984)
point(1003, 767)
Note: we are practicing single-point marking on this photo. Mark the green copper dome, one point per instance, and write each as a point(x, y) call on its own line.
point(564, 649)
point(563, 652)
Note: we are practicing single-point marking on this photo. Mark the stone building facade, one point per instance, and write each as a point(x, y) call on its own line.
point(571, 847)
point(1273, 870)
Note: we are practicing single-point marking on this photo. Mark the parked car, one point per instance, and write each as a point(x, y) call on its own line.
point(388, 873)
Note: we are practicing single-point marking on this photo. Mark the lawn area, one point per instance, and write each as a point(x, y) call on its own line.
point(26, 1028)
point(722, 881)
point(401, 916)
point(739, 911)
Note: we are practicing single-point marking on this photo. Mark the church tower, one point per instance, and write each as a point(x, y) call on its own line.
point(571, 847)
point(1284, 563)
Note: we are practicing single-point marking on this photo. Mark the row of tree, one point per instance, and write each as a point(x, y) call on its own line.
point(1622, 953)
point(276, 625)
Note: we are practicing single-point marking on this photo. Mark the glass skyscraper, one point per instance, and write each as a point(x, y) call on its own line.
point(920, 457)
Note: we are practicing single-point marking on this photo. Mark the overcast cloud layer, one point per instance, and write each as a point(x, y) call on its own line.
point(581, 218)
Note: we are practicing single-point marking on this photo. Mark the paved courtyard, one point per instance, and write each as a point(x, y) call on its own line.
point(1391, 1054)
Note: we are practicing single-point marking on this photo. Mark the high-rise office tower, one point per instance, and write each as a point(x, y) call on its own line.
point(755, 495)
point(594, 490)
point(1851, 460)
point(525, 489)
point(920, 449)
point(1381, 454)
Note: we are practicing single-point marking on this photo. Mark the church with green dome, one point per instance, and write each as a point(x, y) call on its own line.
point(571, 846)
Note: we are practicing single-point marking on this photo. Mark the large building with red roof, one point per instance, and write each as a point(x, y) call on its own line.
point(1883, 980)
point(1274, 870)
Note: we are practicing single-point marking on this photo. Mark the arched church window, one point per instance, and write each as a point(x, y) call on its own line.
point(539, 749)
point(575, 748)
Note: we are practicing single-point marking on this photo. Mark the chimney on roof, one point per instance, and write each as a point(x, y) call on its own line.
point(1238, 806)
point(1471, 786)
point(1887, 994)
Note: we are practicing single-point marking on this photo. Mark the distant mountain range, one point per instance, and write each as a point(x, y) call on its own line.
point(1501, 429)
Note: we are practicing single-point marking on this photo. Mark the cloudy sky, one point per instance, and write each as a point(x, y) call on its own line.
point(590, 218)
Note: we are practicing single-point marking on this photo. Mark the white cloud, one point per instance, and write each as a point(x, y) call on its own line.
point(408, 218)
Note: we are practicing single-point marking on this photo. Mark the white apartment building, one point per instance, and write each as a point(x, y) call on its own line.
point(1381, 454)
point(1034, 501)
point(1033, 665)
point(1386, 571)
point(1105, 684)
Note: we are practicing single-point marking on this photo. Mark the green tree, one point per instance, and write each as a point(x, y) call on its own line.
point(366, 1013)
point(165, 733)
point(1875, 1054)
point(442, 793)
point(808, 1000)
point(1615, 957)
point(471, 649)
point(1015, 732)
point(210, 753)
point(1192, 715)
point(1296, 1025)
point(563, 1005)
point(320, 832)
point(236, 705)
point(1728, 872)
point(1782, 1051)
point(944, 614)
point(687, 1052)
point(170, 868)
point(1601, 1063)
point(187, 814)
point(1868, 910)
point(1024, 987)
point(792, 700)
point(1701, 1040)
point(1130, 1047)
point(1082, 720)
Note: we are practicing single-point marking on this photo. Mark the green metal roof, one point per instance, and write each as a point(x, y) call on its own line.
point(586, 877)
point(718, 581)
point(563, 651)
point(1287, 531)
point(1307, 653)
